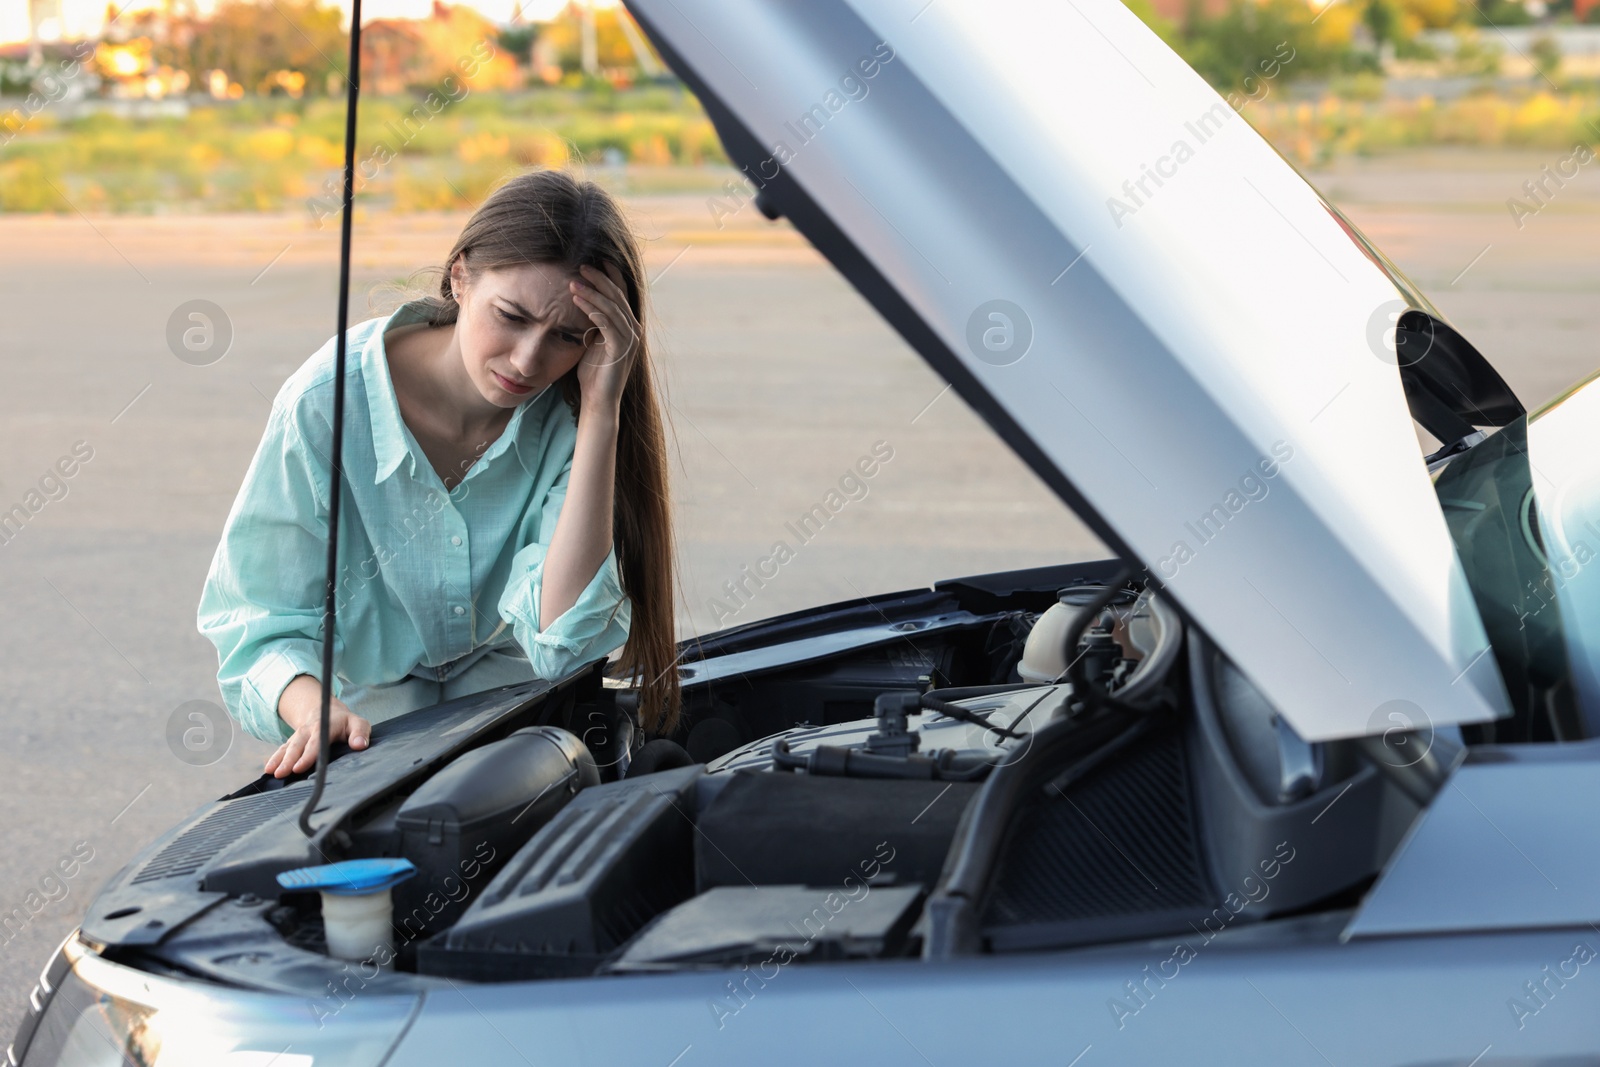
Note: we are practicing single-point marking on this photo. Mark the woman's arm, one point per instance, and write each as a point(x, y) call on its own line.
point(583, 534)
point(258, 605)
point(593, 625)
point(582, 538)
point(262, 601)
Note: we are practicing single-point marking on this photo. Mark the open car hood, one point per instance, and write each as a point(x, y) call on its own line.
point(1145, 301)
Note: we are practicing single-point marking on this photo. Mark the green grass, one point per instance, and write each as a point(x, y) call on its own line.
point(1315, 132)
point(265, 155)
point(282, 155)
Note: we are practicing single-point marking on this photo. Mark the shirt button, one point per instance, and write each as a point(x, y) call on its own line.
point(460, 610)
point(456, 541)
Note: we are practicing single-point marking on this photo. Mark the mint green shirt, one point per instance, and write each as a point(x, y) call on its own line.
point(427, 577)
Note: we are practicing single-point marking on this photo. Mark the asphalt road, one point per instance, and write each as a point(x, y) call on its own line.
point(780, 377)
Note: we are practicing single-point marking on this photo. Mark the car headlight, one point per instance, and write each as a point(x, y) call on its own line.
point(102, 1014)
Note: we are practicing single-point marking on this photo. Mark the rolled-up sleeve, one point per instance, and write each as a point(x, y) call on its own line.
point(595, 625)
point(262, 601)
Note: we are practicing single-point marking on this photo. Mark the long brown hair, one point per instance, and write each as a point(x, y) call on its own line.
point(548, 216)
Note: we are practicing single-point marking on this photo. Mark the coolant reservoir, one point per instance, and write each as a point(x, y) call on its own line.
point(1044, 653)
point(357, 911)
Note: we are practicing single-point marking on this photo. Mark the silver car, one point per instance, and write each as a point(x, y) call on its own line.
point(1302, 776)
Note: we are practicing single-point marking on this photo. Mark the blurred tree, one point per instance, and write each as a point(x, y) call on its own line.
point(1546, 56)
point(252, 41)
point(561, 39)
point(518, 42)
point(1166, 30)
point(1433, 14)
point(1231, 46)
point(1382, 17)
point(1474, 55)
point(1500, 13)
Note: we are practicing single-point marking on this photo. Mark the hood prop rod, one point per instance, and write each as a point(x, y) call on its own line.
point(353, 91)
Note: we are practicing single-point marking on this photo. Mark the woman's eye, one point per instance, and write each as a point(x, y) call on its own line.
point(571, 338)
point(508, 317)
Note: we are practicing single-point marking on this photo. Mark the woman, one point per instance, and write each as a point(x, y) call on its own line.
point(504, 512)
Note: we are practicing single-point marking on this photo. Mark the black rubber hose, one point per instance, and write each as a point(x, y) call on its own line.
point(967, 715)
point(982, 832)
point(946, 765)
point(659, 755)
point(1143, 688)
point(1083, 693)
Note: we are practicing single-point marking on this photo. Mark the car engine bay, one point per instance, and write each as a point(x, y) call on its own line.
point(922, 775)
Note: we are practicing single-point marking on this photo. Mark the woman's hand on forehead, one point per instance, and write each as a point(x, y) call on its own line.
point(605, 367)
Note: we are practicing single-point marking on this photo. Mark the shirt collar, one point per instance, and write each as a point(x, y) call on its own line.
point(389, 445)
point(391, 440)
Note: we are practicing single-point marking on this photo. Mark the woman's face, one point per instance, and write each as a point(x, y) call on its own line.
point(518, 329)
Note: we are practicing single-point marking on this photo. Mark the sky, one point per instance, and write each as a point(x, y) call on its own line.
point(82, 18)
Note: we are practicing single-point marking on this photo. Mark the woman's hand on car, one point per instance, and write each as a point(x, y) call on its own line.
point(301, 707)
point(604, 369)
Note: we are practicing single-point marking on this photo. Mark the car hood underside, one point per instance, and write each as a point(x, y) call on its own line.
point(1145, 301)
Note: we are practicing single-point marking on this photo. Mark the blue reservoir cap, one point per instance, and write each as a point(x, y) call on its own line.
point(351, 878)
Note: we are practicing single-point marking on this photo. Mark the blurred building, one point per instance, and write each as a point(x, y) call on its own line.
point(454, 41)
point(601, 43)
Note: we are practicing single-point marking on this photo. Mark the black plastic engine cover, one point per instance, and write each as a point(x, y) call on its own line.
point(476, 812)
point(774, 924)
point(777, 828)
point(617, 856)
